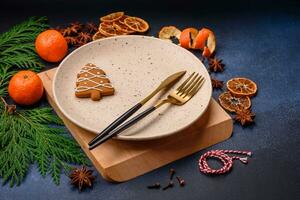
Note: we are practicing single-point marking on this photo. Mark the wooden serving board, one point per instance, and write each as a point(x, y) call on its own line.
point(120, 161)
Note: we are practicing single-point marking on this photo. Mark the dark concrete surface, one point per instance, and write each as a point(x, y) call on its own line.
point(255, 39)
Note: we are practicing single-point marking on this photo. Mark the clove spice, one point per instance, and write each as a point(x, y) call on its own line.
point(180, 181)
point(170, 184)
point(154, 186)
point(172, 173)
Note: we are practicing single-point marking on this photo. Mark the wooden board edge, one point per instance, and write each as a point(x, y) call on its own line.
point(114, 173)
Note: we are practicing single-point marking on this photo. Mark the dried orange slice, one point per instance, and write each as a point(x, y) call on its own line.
point(241, 87)
point(169, 32)
point(108, 29)
point(98, 35)
point(136, 24)
point(187, 37)
point(122, 19)
point(122, 27)
point(232, 103)
point(112, 17)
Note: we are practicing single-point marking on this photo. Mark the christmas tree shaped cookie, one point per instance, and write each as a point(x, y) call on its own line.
point(93, 83)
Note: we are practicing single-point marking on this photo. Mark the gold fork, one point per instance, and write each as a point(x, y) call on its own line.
point(179, 96)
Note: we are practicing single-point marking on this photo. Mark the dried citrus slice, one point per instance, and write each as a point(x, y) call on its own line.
point(98, 35)
point(168, 32)
point(122, 27)
point(112, 17)
point(136, 24)
point(232, 103)
point(122, 19)
point(108, 29)
point(187, 37)
point(241, 87)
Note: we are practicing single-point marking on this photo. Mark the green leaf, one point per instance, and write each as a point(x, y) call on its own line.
point(26, 137)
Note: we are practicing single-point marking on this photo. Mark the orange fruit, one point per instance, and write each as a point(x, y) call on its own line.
point(112, 17)
point(122, 27)
point(108, 30)
point(136, 24)
point(51, 46)
point(211, 44)
point(241, 87)
point(187, 36)
point(205, 40)
point(206, 52)
point(200, 39)
point(25, 87)
point(232, 103)
point(168, 32)
point(98, 35)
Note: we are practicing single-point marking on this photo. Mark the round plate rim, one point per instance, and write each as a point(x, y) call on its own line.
point(124, 137)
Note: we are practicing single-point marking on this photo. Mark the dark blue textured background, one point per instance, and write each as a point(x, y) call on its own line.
point(255, 39)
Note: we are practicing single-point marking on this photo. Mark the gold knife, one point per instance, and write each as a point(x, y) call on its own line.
point(168, 82)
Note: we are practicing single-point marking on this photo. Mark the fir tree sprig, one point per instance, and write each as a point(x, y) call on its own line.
point(17, 44)
point(5, 74)
point(26, 137)
point(29, 136)
point(17, 49)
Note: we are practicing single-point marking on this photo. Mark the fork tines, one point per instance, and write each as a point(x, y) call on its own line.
point(191, 85)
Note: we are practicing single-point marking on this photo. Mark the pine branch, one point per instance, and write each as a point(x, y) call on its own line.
point(5, 75)
point(23, 33)
point(22, 56)
point(26, 137)
point(17, 45)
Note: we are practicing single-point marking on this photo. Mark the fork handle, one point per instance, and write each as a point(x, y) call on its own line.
point(123, 127)
point(116, 123)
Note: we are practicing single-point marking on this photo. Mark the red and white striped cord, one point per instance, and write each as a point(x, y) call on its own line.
point(225, 159)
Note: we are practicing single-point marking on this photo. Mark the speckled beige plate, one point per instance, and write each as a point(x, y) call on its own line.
point(135, 65)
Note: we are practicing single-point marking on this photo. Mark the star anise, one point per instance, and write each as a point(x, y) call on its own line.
point(71, 40)
point(77, 25)
point(244, 116)
point(215, 65)
point(69, 31)
point(91, 27)
point(84, 38)
point(82, 177)
point(216, 84)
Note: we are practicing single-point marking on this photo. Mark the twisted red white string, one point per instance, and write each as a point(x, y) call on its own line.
point(225, 159)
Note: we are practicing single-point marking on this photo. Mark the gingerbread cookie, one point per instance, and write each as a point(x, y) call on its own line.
point(92, 83)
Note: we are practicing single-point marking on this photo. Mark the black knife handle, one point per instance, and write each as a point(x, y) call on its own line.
point(121, 128)
point(116, 123)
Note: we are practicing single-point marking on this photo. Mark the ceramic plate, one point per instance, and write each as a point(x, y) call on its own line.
point(135, 65)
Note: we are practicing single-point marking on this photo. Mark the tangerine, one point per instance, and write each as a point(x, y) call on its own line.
point(187, 36)
point(51, 46)
point(25, 87)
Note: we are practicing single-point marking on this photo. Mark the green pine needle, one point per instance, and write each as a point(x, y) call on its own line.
point(5, 75)
point(17, 49)
point(17, 44)
point(26, 137)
